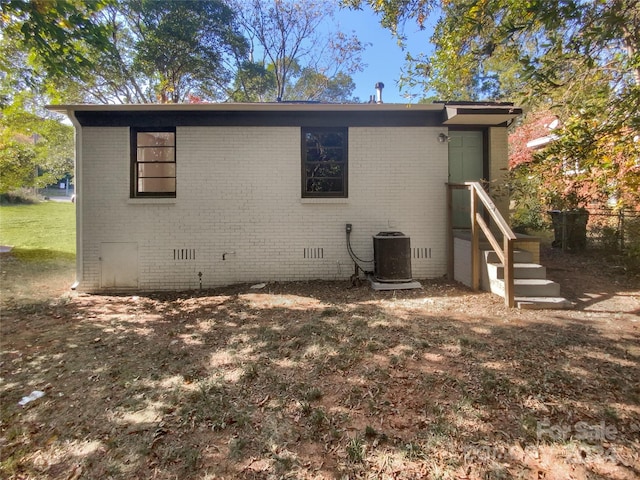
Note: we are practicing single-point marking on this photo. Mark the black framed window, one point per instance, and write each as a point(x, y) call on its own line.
point(153, 162)
point(324, 162)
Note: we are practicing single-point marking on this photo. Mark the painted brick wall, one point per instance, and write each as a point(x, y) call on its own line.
point(462, 261)
point(499, 168)
point(239, 215)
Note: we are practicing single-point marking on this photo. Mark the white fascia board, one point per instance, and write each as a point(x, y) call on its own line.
point(246, 107)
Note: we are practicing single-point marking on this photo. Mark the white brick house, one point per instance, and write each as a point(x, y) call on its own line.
point(176, 197)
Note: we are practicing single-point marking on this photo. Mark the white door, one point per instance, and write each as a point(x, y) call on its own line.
point(466, 164)
point(119, 265)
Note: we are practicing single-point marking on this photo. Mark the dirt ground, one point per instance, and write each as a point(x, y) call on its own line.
point(318, 380)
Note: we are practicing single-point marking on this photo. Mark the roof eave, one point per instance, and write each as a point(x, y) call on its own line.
point(244, 107)
point(486, 115)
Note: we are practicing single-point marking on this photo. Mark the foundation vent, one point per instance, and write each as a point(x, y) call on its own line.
point(313, 253)
point(421, 252)
point(184, 253)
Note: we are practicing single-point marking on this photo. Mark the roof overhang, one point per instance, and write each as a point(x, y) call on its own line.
point(280, 114)
point(288, 113)
point(480, 114)
point(247, 107)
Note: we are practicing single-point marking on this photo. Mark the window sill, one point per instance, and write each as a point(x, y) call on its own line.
point(324, 200)
point(151, 201)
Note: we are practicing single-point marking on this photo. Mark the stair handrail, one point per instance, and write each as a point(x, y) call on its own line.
point(504, 252)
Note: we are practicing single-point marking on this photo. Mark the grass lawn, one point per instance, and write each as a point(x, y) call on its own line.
point(45, 230)
point(42, 260)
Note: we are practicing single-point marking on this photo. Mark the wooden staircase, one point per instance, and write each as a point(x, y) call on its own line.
point(488, 259)
point(532, 289)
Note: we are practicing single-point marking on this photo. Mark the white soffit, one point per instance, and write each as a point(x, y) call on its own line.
point(480, 114)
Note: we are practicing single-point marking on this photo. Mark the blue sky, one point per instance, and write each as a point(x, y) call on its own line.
point(384, 58)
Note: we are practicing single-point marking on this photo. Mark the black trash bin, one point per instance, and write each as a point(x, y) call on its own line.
point(570, 229)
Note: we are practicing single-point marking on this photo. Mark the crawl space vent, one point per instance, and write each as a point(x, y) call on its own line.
point(314, 253)
point(184, 253)
point(421, 252)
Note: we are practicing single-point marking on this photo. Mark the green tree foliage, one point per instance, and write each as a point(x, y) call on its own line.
point(148, 51)
point(579, 58)
point(58, 33)
point(163, 51)
point(17, 163)
point(15, 73)
point(183, 46)
point(254, 82)
point(293, 57)
point(593, 159)
point(313, 85)
point(34, 151)
point(553, 44)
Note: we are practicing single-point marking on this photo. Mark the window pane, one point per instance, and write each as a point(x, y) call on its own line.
point(324, 170)
point(156, 185)
point(325, 154)
point(154, 158)
point(156, 139)
point(325, 139)
point(324, 157)
point(332, 139)
point(318, 185)
point(324, 147)
point(156, 169)
point(158, 154)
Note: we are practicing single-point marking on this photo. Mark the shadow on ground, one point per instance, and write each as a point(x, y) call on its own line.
point(316, 380)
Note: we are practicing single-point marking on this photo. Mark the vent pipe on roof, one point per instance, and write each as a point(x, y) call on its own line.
point(379, 87)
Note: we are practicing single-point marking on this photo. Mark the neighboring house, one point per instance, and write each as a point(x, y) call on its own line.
point(540, 143)
point(184, 196)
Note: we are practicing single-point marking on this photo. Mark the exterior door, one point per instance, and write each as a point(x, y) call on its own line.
point(466, 164)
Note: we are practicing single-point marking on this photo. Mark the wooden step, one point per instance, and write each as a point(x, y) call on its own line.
point(528, 287)
point(539, 303)
point(532, 290)
point(520, 270)
point(519, 256)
